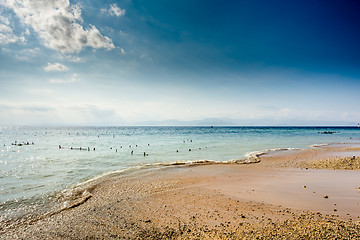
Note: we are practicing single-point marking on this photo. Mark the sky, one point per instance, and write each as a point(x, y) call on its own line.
point(188, 62)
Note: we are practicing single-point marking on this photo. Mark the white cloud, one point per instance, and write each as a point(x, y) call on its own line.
point(22, 58)
point(73, 58)
point(114, 10)
point(28, 54)
point(55, 67)
point(58, 24)
point(145, 56)
point(286, 112)
point(40, 91)
point(6, 33)
point(25, 54)
point(32, 51)
point(4, 20)
point(72, 79)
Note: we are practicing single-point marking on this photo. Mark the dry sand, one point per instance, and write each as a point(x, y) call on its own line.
point(281, 197)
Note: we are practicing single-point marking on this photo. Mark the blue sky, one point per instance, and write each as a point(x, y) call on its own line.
point(88, 62)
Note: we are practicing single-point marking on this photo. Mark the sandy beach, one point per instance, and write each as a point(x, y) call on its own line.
point(293, 194)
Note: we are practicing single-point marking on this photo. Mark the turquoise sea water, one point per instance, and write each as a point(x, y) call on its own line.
point(32, 175)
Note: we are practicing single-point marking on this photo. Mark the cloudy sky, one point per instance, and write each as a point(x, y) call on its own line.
point(125, 62)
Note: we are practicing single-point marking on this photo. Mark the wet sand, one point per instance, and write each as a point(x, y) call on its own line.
point(279, 197)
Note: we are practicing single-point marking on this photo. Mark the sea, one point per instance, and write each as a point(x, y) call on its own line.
point(40, 165)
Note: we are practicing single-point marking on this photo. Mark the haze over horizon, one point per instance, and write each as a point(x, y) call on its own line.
point(134, 62)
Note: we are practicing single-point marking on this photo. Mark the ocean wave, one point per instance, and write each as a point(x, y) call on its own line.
point(201, 162)
point(319, 145)
point(254, 156)
point(334, 144)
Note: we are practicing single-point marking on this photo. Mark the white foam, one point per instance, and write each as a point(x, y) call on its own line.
point(319, 145)
point(255, 155)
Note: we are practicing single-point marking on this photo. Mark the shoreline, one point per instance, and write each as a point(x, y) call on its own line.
point(208, 200)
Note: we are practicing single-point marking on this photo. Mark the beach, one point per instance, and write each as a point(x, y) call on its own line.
point(288, 194)
point(179, 119)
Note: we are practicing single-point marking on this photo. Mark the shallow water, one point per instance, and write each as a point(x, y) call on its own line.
point(32, 175)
